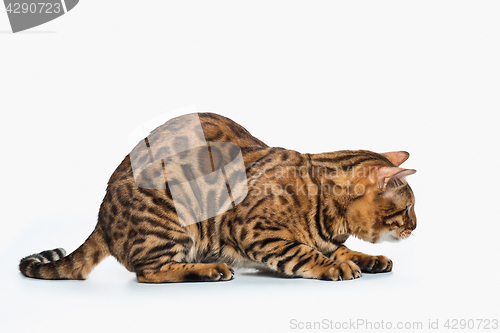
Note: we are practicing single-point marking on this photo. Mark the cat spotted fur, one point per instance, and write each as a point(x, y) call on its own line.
point(299, 211)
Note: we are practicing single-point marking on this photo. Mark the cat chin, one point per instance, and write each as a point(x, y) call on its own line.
point(388, 237)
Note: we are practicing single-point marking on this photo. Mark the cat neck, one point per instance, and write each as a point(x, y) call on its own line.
point(339, 179)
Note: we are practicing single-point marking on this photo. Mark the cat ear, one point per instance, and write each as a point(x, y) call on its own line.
point(386, 173)
point(396, 157)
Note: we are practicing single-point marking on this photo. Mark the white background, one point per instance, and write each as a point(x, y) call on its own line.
point(310, 76)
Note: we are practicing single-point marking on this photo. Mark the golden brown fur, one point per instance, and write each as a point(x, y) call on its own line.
point(299, 211)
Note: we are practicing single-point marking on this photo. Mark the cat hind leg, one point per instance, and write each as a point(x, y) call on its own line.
point(186, 272)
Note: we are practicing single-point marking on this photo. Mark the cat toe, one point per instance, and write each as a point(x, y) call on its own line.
point(226, 273)
point(389, 266)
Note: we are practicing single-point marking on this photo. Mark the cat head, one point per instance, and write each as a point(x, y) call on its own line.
point(386, 210)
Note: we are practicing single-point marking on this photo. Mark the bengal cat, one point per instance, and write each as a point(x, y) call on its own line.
point(294, 216)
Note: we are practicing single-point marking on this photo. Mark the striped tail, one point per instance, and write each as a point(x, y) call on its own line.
point(54, 265)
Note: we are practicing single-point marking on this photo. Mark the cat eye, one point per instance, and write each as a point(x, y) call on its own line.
point(404, 211)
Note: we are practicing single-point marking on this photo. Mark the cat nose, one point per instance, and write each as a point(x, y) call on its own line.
point(413, 226)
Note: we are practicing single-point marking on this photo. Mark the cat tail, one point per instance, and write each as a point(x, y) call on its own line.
point(54, 265)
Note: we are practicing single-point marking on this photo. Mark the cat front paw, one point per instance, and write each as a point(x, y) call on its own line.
point(373, 264)
point(346, 270)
